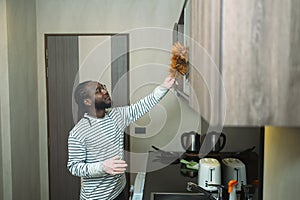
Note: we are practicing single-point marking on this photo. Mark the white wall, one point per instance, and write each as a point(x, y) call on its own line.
point(94, 52)
point(101, 16)
point(19, 100)
point(5, 180)
point(281, 163)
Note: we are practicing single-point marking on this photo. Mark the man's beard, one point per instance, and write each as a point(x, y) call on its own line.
point(102, 105)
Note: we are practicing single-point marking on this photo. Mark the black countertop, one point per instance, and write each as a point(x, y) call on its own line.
point(166, 174)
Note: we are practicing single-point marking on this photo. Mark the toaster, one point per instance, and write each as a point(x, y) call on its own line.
point(209, 172)
point(233, 169)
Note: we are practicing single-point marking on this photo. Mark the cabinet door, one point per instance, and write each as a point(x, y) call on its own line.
point(255, 45)
point(244, 73)
point(260, 67)
point(205, 96)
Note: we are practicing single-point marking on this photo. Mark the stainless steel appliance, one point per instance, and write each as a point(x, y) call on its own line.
point(190, 141)
point(213, 142)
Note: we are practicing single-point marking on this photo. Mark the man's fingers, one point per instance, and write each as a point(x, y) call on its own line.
point(119, 162)
point(115, 173)
point(168, 83)
point(116, 158)
point(120, 170)
point(119, 167)
point(116, 166)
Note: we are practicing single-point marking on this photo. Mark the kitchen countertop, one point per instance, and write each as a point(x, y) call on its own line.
point(166, 179)
point(163, 175)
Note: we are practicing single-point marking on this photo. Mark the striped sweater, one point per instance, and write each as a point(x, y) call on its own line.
point(94, 140)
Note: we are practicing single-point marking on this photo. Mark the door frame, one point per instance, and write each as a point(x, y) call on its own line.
point(126, 136)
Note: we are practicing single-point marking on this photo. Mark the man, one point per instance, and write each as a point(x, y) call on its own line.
point(95, 143)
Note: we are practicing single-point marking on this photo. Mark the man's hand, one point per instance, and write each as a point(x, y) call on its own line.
point(168, 83)
point(114, 166)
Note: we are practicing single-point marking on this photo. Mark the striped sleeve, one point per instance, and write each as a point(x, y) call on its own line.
point(135, 111)
point(76, 162)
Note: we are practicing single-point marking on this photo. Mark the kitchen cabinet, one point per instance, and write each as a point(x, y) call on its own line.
point(254, 45)
point(204, 59)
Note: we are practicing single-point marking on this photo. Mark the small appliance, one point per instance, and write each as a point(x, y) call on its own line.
point(213, 142)
point(209, 172)
point(190, 141)
point(234, 169)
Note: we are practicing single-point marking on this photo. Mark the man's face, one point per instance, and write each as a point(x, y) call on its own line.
point(100, 96)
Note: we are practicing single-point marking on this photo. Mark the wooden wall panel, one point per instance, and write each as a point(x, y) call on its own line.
point(255, 44)
point(260, 65)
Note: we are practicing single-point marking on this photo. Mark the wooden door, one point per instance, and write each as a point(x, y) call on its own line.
point(62, 67)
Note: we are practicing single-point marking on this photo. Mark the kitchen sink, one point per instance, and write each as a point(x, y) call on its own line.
point(177, 196)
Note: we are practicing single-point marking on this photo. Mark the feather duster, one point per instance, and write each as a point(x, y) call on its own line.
point(179, 60)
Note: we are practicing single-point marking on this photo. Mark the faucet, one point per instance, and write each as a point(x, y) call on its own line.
point(245, 195)
point(191, 186)
point(219, 188)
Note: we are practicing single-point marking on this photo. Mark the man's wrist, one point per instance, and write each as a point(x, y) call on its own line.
point(96, 168)
point(160, 91)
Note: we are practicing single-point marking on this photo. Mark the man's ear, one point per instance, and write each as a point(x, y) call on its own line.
point(87, 102)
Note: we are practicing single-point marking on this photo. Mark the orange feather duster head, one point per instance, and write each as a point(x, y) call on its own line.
point(179, 60)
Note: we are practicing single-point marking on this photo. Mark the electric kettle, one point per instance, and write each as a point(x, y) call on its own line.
point(190, 141)
point(214, 142)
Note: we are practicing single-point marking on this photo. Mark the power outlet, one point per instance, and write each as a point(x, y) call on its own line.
point(140, 130)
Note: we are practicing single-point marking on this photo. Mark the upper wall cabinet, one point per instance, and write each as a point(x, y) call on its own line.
point(255, 46)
